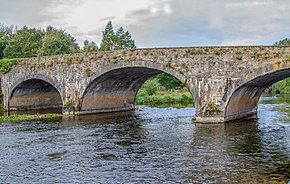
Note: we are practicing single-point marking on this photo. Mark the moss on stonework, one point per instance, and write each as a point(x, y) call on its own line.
point(88, 72)
point(210, 107)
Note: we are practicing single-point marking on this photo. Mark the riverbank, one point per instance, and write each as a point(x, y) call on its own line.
point(29, 117)
point(181, 97)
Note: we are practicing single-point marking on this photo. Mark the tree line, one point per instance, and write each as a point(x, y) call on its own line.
point(31, 42)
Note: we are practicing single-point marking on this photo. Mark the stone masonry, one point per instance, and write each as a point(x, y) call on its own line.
point(226, 82)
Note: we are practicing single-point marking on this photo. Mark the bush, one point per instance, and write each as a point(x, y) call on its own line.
point(151, 86)
point(7, 64)
point(185, 100)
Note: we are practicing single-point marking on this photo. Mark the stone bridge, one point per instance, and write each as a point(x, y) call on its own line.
point(226, 82)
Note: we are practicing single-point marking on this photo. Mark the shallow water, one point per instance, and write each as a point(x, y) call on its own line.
point(149, 145)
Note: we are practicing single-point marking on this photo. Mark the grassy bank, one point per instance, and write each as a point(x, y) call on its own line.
point(182, 97)
point(27, 117)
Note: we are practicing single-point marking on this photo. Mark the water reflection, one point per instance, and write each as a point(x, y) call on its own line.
point(149, 145)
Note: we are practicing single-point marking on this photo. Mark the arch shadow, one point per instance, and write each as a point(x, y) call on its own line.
point(116, 89)
point(35, 94)
point(244, 100)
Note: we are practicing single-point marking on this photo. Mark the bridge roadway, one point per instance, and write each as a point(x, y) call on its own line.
point(226, 82)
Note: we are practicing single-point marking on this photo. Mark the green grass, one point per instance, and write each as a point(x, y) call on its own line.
point(7, 64)
point(27, 117)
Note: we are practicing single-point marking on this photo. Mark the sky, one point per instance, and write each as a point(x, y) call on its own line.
point(159, 23)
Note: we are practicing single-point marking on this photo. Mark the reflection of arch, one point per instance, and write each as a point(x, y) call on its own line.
point(35, 94)
point(115, 89)
point(244, 100)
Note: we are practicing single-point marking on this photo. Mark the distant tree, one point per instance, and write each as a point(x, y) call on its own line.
point(3, 43)
point(108, 38)
point(116, 41)
point(25, 42)
point(5, 33)
point(168, 81)
point(57, 42)
point(124, 40)
point(89, 46)
point(284, 42)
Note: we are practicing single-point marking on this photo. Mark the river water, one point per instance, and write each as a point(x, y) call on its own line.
point(149, 145)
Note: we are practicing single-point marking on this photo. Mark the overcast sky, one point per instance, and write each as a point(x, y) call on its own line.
point(159, 23)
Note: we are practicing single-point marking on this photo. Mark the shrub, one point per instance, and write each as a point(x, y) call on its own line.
point(151, 86)
point(7, 64)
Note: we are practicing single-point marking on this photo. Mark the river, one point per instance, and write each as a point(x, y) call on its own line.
point(149, 145)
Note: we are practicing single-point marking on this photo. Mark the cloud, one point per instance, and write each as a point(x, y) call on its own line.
point(34, 13)
point(106, 19)
point(160, 23)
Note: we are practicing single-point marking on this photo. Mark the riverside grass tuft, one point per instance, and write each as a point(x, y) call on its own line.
point(27, 117)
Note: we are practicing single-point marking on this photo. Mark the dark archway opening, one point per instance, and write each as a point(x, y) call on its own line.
point(115, 90)
point(35, 94)
point(164, 90)
point(244, 101)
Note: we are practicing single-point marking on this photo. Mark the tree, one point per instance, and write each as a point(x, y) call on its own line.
point(3, 43)
point(168, 81)
point(24, 43)
point(108, 37)
point(116, 41)
point(57, 42)
point(284, 42)
point(5, 33)
point(89, 46)
point(124, 40)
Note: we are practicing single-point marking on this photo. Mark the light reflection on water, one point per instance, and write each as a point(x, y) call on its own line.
point(150, 145)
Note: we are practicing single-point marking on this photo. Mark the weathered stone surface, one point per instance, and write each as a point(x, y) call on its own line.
point(226, 82)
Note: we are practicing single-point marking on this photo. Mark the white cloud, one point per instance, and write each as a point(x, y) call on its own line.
point(159, 23)
point(249, 4)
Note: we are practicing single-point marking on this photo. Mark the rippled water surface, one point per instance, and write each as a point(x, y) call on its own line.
point(150, 145)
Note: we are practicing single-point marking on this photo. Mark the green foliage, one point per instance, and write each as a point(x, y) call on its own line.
point(168, 81)
point(25, 42)
point(3, 43)
point(284, 42)
point(31, 42)
point(116, 41)
point(154, 93)
point(108, 38)
point(26, 117)
point(282, 86)
point(162, 98)
point(7, 31)
point(185, 100)
point(124, 40)
point(57, 42)
point(7, 64)
point(67, 103)
point(89, 47)
point(151, 86)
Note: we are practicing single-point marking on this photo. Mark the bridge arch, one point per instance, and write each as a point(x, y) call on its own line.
point(34, 93)
point(244, 100)
point(115, 88)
